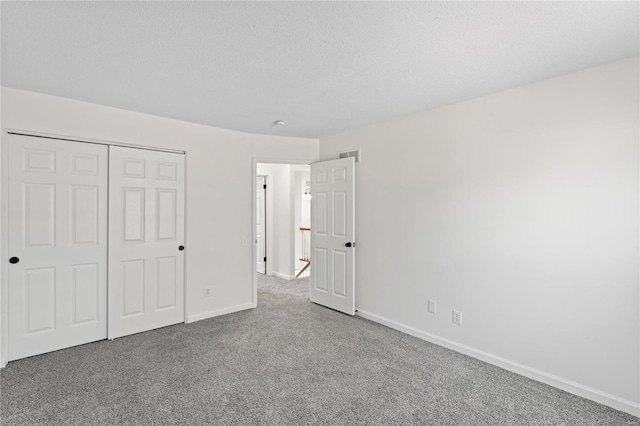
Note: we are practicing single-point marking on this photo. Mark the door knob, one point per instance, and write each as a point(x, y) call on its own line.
point(348, 245)
point(14, 260)
point(181, 248)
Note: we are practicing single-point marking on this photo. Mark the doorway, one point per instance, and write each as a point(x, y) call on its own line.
point(281, 210)
point(331, 198)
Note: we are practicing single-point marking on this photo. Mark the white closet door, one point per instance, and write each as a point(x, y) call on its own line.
point(146, 237)
point(57, 243)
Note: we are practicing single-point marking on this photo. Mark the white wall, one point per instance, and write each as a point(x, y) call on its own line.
point(519, 209)
point(219, 183)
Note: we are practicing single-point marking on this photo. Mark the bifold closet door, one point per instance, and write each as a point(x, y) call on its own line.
point(57, 244)
point(146, 237)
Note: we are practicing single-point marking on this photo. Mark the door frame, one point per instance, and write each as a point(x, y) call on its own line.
point(4, 219)
point(267, 228)
point(269, 202)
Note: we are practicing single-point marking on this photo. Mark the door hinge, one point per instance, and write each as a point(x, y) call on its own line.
point(264, 186)
point(265, 259)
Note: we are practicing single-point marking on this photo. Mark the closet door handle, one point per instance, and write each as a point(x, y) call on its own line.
point(181, 248)
point(14, 260)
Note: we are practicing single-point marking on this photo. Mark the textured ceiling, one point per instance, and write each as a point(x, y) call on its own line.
point(322, 67)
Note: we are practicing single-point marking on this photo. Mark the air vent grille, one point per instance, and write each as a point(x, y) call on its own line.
point(355, 153)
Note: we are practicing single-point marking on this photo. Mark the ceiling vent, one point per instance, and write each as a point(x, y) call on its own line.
point(355, 153)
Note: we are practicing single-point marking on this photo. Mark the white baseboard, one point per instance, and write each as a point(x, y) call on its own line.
point(3, 363)
point(218, 312)
point(283, 276)
point(532, 373)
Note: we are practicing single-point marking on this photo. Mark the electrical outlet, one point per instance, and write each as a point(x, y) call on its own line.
point(432, 306)
point(207, 292)
point(456, 317)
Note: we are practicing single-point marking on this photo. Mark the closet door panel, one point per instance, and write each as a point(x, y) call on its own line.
point(57, 240)
point(146, 231)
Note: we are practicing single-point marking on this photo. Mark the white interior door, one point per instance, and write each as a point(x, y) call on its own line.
point(261, 226)
point(146, 237)
point(332, 234)
point(57, 243)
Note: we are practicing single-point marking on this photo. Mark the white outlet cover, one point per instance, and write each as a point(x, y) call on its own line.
point(456, 317)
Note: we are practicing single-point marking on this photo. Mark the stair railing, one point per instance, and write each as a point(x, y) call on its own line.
point(305, 238)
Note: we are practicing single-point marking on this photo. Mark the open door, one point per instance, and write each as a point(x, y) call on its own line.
point(332, 234)
point(261, 225)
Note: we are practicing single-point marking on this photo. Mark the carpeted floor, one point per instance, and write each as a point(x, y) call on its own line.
point(286, 362)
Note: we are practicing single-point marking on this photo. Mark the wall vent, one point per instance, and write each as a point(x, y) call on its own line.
point(355, 153)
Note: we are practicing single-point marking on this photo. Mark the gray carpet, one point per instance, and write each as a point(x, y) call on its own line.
point(286, 362)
